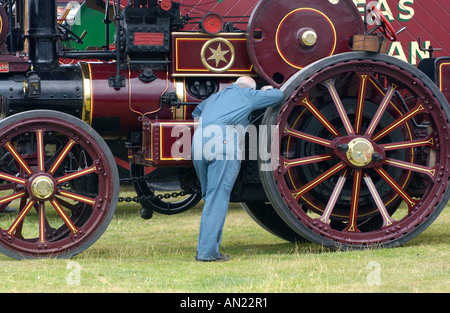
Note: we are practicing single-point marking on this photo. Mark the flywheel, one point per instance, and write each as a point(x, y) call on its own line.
point(286, 36)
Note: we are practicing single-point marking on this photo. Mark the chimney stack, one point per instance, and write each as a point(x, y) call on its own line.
point(42, 34)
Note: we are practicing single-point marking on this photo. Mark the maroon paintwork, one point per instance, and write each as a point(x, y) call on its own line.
point(276, 48)
point(443, 76)
point(129, 103)
point(186, 52)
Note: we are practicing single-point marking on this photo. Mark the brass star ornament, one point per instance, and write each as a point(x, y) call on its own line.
point(222, 52)
point(218, 55)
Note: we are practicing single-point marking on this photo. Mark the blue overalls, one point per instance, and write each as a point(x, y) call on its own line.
point(216, 153)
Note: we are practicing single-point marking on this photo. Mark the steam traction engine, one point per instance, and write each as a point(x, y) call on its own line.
point(359, 146)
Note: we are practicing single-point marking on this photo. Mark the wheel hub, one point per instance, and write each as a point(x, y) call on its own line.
point(42, 187)
point(308, 37)
point(360, 152)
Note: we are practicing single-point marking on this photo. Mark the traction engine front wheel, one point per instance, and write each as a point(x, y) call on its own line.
point(60, 177)
point(361, 156)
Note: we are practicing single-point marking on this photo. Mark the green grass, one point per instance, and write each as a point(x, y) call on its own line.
point(157, 255)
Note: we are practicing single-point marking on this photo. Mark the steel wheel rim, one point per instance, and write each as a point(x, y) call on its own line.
point(391, 231)
point(82, 213)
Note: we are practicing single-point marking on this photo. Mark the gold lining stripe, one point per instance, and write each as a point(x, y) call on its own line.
point(398, 189)
point(399, 122)
point(179, 113)
point(205, 70)
point(355, 201)
point(61, 157)
point(12, 197)
point(307, 137)
point(86, 75)
point(76, 174)
point(296, 194)
point(441, 75)
point(40, 146)
point(80, 198)
point(307, 160)
point(64, 216)
point(13, 179)
point(292, 12)
point(312, 108)
point(361, 100)
point(408, 166)
point(416, 143)
point(21, 216)
point(41, 222)
point(18, 158)
point(161, 141)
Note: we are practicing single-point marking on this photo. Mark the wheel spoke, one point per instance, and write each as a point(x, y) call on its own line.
point(21, 216)
point(12, 197)
point(61, 157)
point(429, 171)
point(18, 158)
point(9, 186)
point(419, 108)
point(4, 202)
point(339, 106)
point(409, 201)
point(384, 104)
point(77, 174)
point(13, 179)
point(76, 197)
point(301, 135)
point(64, 216)
point(351, 227)
point(335, 169)
point(40, 150)
point(314, 111)
point(409, 144)
point(303, 161)
point(363, 80)
point(334, 197)
point(387, 220)
point(67, 205)
point(42, 222)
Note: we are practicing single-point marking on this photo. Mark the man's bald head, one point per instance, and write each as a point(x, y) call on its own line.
point(246, 82)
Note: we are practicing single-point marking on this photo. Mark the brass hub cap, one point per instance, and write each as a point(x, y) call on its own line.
point(309, 38)
point(360, 152)
point(42, 187)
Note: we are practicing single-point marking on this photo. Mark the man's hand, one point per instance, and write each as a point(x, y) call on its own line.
point(268, 87)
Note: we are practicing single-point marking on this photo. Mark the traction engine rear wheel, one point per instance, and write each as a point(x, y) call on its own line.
point(364, 152)
point(61, 177)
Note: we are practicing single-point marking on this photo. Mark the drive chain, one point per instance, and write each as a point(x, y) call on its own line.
point(143, 198)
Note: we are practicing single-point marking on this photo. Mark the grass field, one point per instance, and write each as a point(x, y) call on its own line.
point(157, 255)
